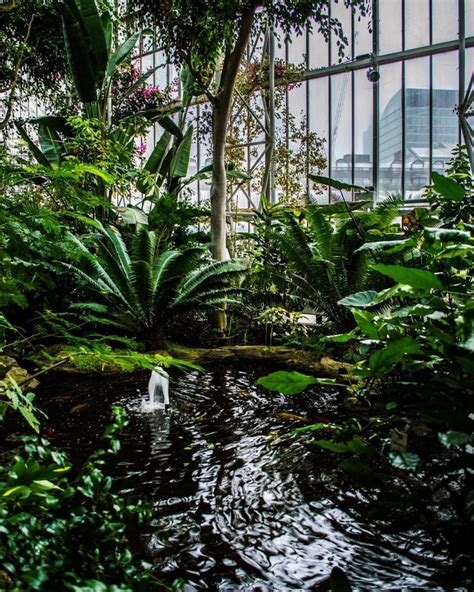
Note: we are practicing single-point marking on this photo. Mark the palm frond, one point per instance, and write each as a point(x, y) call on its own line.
point(217, 272)
point(142, 282)
point(321, 230)
point(143, 246)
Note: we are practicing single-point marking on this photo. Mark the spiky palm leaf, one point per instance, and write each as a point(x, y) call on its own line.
point(323, 257)
point(145, 288)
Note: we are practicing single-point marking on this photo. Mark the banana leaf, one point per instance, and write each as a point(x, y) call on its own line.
point(77, 50)
point(335, 184)
point(121, 54)
point(180, 162)
point(50, 143)
point(170, 126)
point(155, 160)
point(35, 151)
point(97, 42)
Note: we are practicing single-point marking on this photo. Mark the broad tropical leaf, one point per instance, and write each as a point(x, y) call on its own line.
point(77, 50)
point(121, 54)
point(416, 278)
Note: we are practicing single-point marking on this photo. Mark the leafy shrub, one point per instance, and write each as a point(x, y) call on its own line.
point(145, 288)
point(62, 532)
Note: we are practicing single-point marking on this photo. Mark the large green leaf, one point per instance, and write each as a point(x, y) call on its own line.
point(340, 207)
point(335, 184)
point(133, 215)
point(338, 447)
point(35, 151)
point(155, 160)
point(141, 80)
point(77, 50)
point(180, 162)
point(416, 278)
point(240, 175)
point(446, 235)
point(121, 54)
point(388, 246)
point(170, 126)
point(385, 359)
point(447, 187)
point(50, 143)
point(98, 43)
point(108, 28)
point(91, 169)
point(187, 85)
point(290, 383)
point(364, 320)
point(360, 299)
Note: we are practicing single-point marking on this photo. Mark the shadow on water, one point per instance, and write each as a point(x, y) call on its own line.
point(239, 510)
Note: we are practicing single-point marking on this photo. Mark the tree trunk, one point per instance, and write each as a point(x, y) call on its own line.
point(219, 182)
point(220, 120)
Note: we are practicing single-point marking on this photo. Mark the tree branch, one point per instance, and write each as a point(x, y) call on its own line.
point(233, 58)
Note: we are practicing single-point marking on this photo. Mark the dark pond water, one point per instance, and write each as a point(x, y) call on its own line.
point(240, 510)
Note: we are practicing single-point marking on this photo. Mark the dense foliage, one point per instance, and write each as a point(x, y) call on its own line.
point(66, 529)
point(411, 402)
point(103, 249)
point(33, 60)
point(146, 288)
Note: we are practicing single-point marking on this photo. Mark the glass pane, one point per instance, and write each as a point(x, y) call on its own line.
point(344, 16)
point(341, 130)
point(390, 129)
point(390, 26)
point(445, 20)
point(417, 23)
point(469, 10)
point(417, 127)
point(160, 73)
point(363, 112)
point(362, 34)
point(297, 50)
point(280, 49)
point(297, 104)
point(147, 62)
point(469, 65)
point(318, 49)
point(445, 98)
point(319, 124)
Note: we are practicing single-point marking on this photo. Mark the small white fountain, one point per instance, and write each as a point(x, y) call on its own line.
point(158, 391)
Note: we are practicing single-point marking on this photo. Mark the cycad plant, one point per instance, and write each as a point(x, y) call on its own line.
point(145, 288)
point(324, 259)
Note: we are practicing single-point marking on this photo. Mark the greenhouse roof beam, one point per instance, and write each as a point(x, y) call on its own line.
point(389, 58)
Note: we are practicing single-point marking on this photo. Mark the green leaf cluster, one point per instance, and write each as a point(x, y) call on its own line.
point(68, 530)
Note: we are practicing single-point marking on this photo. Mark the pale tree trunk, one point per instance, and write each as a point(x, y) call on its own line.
point(219, 184)
point(221, 114)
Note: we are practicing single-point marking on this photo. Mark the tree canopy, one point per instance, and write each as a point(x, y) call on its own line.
point(200, 33)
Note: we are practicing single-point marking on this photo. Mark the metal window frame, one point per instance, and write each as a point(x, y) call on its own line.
point(355, 64)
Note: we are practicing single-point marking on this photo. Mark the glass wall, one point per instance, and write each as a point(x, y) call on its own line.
point(389, 133)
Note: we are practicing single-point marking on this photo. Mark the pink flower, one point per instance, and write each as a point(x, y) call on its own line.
point(151, 92)
point(141, 148)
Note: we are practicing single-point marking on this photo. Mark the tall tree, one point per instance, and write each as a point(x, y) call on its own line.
point(210, 38)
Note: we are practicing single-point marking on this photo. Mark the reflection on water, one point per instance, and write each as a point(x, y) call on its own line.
point(238, 509)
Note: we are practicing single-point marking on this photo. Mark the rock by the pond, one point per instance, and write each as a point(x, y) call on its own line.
point(11, 371)
point(276, 356)
point(286, 357)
